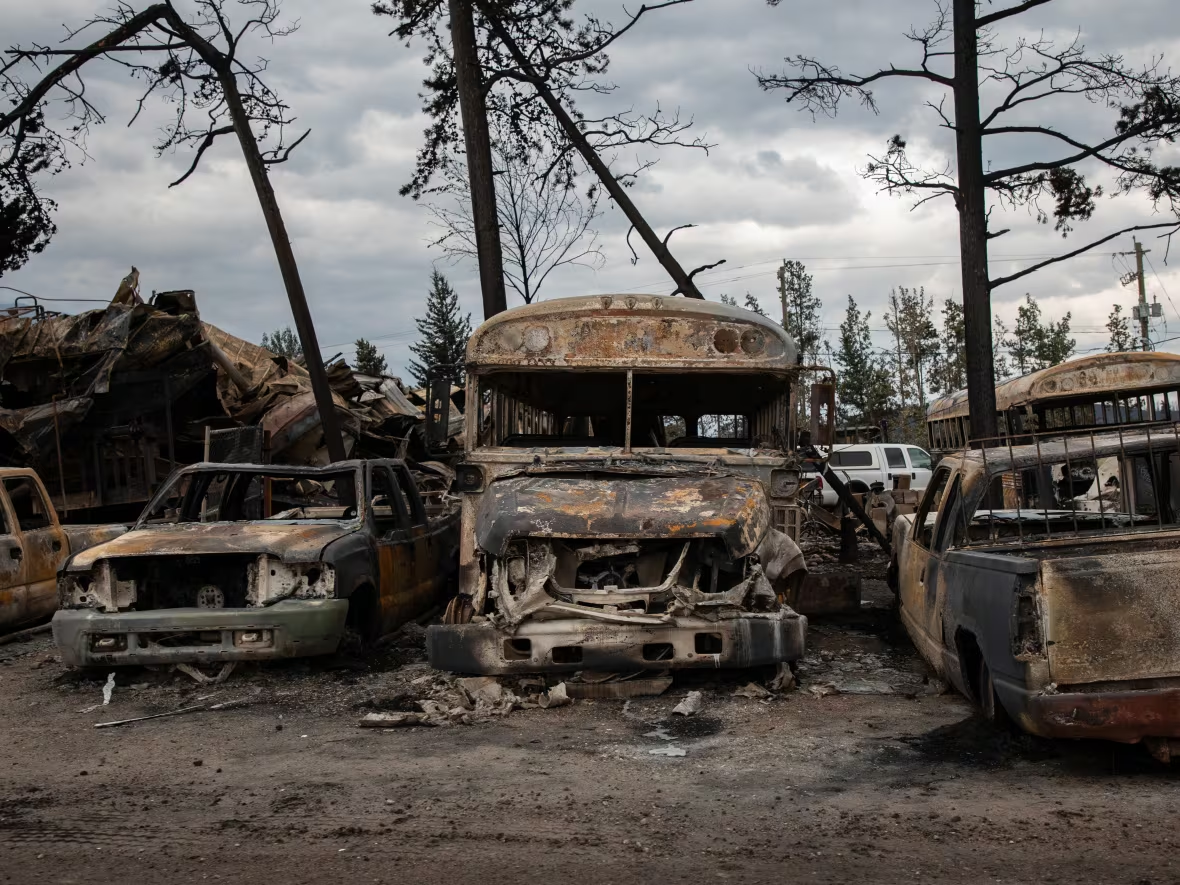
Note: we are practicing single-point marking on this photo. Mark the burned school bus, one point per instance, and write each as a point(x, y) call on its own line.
point(628, 491)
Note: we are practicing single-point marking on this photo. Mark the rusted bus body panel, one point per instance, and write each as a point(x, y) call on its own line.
point(632, 332)
point(1091, 391)
point(729, 508)
point(596, 537)
point(253, 589)
point(1101, 373)
point(746, 640)
point(1079, 632)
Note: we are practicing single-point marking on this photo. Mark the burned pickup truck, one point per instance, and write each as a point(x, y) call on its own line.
point(235, 562)
point(33, 544)
point(1043, 581)
point(628, 491)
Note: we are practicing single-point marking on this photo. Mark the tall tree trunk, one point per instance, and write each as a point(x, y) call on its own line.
point(329, 421)
point(981, 385)
point(684, 283)
point(478, 143)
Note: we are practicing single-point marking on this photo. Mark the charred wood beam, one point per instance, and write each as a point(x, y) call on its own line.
point(848, 498)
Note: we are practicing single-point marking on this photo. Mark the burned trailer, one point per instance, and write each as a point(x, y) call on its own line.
point(628, 491)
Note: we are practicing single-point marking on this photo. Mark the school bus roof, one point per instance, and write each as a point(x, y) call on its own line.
point(632, 331)
point(1087, 377)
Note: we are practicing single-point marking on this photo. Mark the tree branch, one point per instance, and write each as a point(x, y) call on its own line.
point(125, 31)
point(995, 284)
point(693, 273)
point(274, 157)
point(634, 254)
point(558, 61)
point(672, 231)
point(984, 21)
point(205, 145)
point(1084, 151)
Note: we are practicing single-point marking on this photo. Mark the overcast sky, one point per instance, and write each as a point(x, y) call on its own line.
point(777, 185)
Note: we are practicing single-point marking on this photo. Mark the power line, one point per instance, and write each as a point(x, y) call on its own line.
point(709, 278)
point(1163, 288)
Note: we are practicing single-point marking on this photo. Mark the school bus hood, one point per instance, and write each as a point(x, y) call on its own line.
point(733, 509)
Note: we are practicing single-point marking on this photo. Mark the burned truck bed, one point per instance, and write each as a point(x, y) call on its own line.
point(1059, 610)
point(244, 562)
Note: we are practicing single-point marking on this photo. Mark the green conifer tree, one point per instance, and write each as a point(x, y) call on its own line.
point(368, 360)
point(443, 334)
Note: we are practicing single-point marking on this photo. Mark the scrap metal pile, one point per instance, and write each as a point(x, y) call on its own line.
point(106, 403)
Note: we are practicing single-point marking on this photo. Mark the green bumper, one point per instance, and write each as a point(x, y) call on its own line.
point(288, 629)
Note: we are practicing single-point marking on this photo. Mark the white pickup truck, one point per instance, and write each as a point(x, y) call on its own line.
point(862, 464)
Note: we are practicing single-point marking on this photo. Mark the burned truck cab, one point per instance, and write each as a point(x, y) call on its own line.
point(628, 491)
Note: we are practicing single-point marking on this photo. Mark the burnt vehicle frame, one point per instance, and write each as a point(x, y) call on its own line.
point(629, 491)
point(1040, 580)
point(186, 585)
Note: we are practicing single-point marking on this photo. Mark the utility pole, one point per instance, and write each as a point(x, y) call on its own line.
point(1142, 311)
point(782, 292)
point(478, 144)
point(1146, 342)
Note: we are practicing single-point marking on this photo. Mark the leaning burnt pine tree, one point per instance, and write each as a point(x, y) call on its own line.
point(1025, 82)
point(199, 64)
point(518, 67)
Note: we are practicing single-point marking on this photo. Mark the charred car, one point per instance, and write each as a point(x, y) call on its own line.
point(237, 562)
point(33, 545)
point(628, 491)
point(1041, 581)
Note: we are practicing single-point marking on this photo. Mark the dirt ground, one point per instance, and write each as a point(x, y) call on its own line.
point(885, 781)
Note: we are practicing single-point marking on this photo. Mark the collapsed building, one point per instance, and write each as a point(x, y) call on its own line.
point(106, 403)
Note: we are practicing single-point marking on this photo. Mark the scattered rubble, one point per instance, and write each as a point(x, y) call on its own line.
point(105, 403)
point(690, 706)
point(863, 673)
point(752, 690)
point(555, 697)
point(668, 750)
point(442, 700)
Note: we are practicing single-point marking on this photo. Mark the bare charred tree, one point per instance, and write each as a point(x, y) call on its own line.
point(544, 223)
point(198, 64)
point(477, 141)
point(1024, 83)
point(535, 62)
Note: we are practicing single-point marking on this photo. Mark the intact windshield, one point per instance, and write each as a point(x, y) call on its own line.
point(247, 496)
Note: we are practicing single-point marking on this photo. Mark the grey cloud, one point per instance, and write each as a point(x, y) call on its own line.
point(778, 184)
